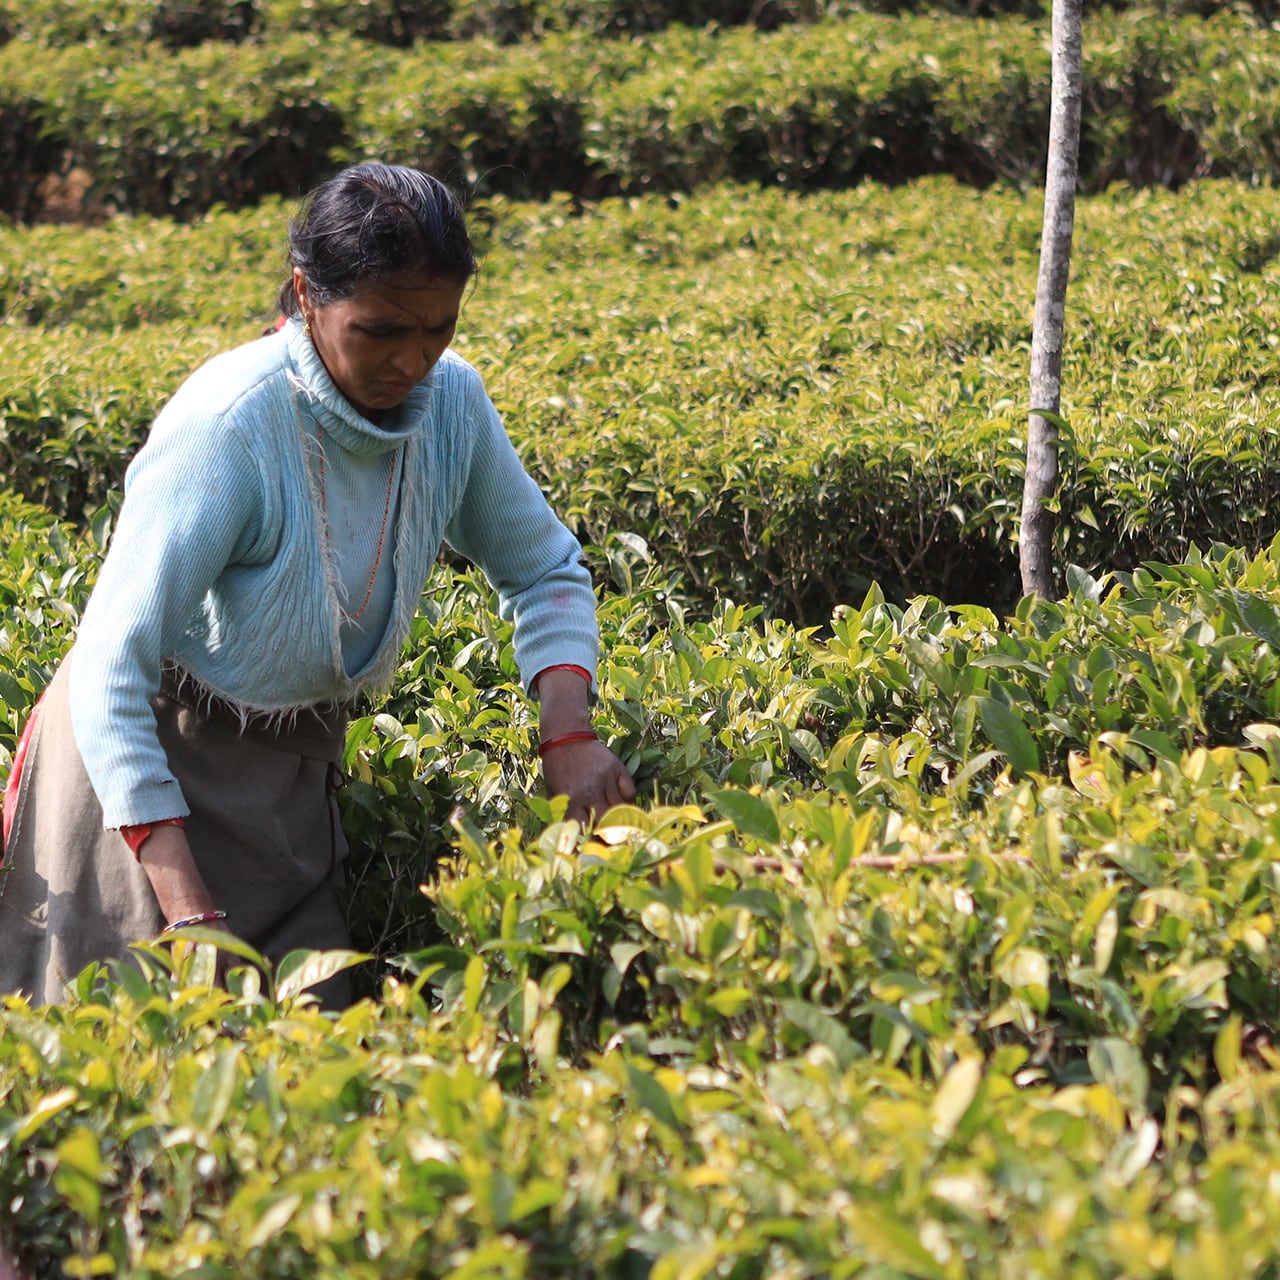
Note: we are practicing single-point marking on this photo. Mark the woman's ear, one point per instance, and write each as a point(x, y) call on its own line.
point(300, 291)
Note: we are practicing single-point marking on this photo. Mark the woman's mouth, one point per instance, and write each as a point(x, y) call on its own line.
point(395, 390)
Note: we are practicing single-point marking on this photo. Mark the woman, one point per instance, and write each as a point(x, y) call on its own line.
point(277, 530)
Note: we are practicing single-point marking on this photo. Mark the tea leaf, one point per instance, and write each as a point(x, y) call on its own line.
point(1009, 735)
point(302, 969)
point(750, 814)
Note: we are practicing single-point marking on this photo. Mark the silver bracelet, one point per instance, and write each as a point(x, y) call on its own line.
point(205, 917)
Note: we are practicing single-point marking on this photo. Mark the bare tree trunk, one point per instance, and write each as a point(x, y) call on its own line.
point(1035, 548)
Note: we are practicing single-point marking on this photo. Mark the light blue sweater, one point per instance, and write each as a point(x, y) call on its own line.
point(219, 557)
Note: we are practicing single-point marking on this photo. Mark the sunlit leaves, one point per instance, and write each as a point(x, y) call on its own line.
point(853, 430)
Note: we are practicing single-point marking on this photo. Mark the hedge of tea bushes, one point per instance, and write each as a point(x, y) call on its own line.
point(933, 713)
point(903, 707)
point(832, 104)
point(786, 397)
point(150, 129)
point(163, 1130)
point(745, 1027)
point(46, 572)
point(399, 23)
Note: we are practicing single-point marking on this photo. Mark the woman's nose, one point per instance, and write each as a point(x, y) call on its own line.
point(413, 360)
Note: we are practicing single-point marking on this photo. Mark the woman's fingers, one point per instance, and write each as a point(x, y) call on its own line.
point(592, 777)
point(618, 788)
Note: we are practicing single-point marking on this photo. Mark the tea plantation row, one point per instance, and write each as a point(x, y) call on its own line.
point(944, 947)
point(808, 105)
point(786, 397)
point(178, 24)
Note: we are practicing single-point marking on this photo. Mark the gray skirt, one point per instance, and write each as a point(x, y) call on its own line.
point(263, 830)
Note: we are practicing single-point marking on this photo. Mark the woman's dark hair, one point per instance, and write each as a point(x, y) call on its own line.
point(372, 221)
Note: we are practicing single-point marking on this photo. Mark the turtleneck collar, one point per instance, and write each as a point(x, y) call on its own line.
point(352, 430)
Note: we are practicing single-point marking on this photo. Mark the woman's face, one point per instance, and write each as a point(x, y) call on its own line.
point(380, 343)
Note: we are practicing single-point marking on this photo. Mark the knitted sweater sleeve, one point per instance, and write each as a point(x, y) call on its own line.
point(503, 524)
point(193, 503)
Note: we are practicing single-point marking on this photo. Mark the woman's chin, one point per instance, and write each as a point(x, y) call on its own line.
point(379, 399)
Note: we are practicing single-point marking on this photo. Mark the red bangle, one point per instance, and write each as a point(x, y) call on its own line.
point(134, 835)
point(579, 735)
point(564, 666)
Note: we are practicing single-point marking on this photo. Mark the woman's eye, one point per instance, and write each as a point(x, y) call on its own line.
point(435, 331)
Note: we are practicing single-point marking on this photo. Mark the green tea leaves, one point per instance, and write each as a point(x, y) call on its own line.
point(1009, 734)
point(750, 814)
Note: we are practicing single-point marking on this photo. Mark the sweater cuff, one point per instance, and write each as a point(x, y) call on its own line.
point(151, 803)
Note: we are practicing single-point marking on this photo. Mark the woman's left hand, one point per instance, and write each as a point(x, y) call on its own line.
point(591, 776)
point(584, 769)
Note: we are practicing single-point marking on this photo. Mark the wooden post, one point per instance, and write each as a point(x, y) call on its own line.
point(1035, 546)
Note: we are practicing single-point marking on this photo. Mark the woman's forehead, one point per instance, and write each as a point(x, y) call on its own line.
point(405, 297)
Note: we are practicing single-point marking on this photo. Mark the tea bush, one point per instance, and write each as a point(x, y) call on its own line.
point(45, 578)
point(176, 24)
point(786, 397)
point(857, 984)
point(174, 133)
point(401, 23)
point(158, 1129)
point(148, 128)
point(912, 709)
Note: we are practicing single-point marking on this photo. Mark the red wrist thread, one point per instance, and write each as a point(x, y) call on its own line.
point(579, 735)
point(136, 833)
point(564, 666)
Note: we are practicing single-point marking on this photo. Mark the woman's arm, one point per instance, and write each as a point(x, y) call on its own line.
point(179, 887)
point(191, 507)
point(504, 524)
